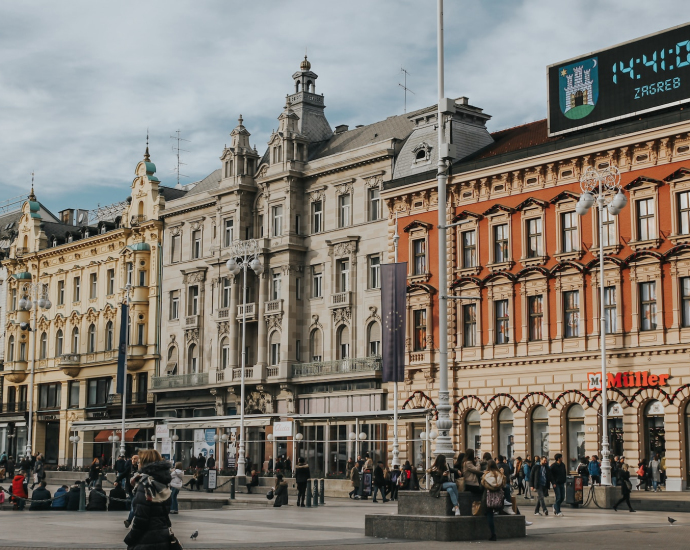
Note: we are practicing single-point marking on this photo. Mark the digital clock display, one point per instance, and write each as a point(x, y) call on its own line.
point(636, 77)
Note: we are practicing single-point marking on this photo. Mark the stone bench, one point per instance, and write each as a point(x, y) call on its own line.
point(419, 503)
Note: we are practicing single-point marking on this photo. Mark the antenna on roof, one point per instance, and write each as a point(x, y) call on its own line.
point(404, 86)
point(176, 149)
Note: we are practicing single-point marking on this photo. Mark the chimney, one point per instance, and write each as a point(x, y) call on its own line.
point(463, 100)
point(342, 128)
point(67, 216)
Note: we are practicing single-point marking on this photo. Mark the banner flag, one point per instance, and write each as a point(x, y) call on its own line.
point(122, 350)
point(393, 314)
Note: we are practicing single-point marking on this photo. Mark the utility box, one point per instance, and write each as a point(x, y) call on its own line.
point(573, 491)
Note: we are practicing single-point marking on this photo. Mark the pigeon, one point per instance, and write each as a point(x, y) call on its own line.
point(671, 520)
point(195, 534)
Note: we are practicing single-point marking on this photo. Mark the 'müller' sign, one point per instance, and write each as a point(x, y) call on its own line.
point(639, 379)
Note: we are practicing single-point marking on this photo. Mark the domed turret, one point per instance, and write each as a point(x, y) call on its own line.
point(305, 65)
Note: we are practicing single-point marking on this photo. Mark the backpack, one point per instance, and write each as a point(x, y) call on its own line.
point(403, 477)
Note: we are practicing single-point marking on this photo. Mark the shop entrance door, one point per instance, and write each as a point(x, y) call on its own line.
point(655, 432)
point(52, 446)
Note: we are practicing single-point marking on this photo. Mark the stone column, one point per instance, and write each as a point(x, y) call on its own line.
point(233, 323)
point(262, 343)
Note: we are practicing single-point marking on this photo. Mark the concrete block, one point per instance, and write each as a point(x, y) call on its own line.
point(420, 503)
point(442, 528)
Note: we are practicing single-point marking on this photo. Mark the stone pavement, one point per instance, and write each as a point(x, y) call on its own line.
point(338, 525)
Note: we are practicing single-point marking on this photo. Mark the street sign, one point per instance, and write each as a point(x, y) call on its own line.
point(282, 429)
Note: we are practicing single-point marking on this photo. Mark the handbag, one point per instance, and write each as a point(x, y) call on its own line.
point(174, 542)
point(270, 494)
point(460, 484)
point(628, 484)
point(494, 500)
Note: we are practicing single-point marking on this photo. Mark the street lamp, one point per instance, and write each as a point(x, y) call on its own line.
point(604, 188)
point(74, 439)
point(244, 254)
point(34, 295)
point(113, 439)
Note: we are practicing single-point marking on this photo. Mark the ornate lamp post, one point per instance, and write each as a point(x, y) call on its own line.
point(74, 439)
point(244, 254)
point(113, 439)
point(604, 188)
point(34, 296)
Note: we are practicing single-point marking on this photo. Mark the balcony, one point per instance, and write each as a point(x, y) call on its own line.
point(341, 299)
point(21, 250)
point(13, 408)
point(248, 373)
point(115, 399)
point(223, 313)
point(70, 363)
point(274, 307)
point(191, 322)
point(141, 294)
point(341, 366)
point(179, 381)
point(249, 310)
point(138, 220)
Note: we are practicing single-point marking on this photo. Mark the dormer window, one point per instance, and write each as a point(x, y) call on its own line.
point(54, 242)
point(103, 229)
point(69, 238)
point(422, 153)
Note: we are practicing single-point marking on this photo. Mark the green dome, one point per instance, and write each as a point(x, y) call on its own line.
point(139, 246)
point(23, 276)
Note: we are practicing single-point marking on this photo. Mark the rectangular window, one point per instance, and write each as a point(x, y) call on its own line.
point(13, 304)
point(225, 295)
point(130, 273)
point(111, 282)
point(571, 307)
point(569, 232)
point(419, 329)
point(277, 223)
point(142, 387)
point(275, 354)
point(610, 309)
point(419, 253)
point(469, 325)
point(344, 210)
point(317, 217)
point(534, 238)
point(141, 340)
point(374, 271)
point(74, 394)
point(316, 281)
point(60, 294)
point(193, 300)
point(176, 248)
point(501, 243)
point(175, 304)
point(196, 244)
point(298, 224)
point(609, 228)
point(298, 354)
point(343, 275)
point(684, 213)
point(76, 291)
point(260, 222)
point(469, 248)
point(49, 396)
point(648, 306)
point(502, 322)
point(228, 236)
point(374, 204)
point(93, 286)
point(298, 288)
point(536, 317)
point(685, 301)
point(142, 277)
point(98, 390)
point(275, 287)
point(646, 229)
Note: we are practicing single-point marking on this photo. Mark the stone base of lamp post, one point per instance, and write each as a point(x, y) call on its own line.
point(604, 496)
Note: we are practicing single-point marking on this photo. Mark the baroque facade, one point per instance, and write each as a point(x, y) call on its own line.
point(524, 354)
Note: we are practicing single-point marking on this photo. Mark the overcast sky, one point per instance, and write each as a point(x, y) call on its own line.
point(81, 81)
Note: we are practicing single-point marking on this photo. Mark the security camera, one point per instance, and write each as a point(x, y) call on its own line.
point(25, 326)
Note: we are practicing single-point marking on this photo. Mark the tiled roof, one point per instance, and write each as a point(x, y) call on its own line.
point(171, 193)
point(209, 183)
point(517, 138)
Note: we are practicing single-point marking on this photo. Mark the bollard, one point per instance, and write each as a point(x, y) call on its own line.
point(321, 490)
point(307, 494)
point(232, 487)
point(315, 503)
point(82, 496)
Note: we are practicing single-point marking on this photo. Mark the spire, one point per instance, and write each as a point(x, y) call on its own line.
point(32, 197)
point(147, 157)
point(240, 120)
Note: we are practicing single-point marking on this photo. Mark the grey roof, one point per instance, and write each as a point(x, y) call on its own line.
point(171, 193)
point(398, 127)
point(209, 183)
point(61, 230)
point(11, 219)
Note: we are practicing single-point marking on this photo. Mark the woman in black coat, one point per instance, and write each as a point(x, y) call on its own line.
point(623, 478)
point(151, 525)
point(302, 475)
point(73, 498)
point(280, 492)
point(98, 502)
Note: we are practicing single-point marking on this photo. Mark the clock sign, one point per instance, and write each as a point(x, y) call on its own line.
point(636, 77)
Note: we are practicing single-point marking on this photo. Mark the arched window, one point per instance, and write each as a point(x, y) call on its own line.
point(109, 336)
point(576, 435)
point(506, 442)
point(374, 339)
point(92, 338)
point(615, 422)
point(58, 343)
point(472, 430)
point(140, 210)
point(10, 349)
point(192, 359)
point(309, 87)
point(421, 155)
point(171, 365)
point(655, 433)
point(539, 429)
point(75, 340)
point(224, 353)
point(44, 345)
point(343, 351)
point(315, 345)
point(275, 347)
point(297, 83)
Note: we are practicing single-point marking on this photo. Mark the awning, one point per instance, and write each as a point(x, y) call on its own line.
point(97, 426)
point(103, 435)
point(189, 423)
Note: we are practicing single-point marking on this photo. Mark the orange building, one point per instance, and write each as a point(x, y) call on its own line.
point(524, 358)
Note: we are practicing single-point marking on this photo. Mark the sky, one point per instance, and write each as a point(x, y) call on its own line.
point(82, 82)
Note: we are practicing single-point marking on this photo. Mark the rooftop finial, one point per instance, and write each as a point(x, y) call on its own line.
point(32, 197)
point(147, 157)
point(240, 120)
point(305, 65)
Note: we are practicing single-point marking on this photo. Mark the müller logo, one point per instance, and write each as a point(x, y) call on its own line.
point(639, 379)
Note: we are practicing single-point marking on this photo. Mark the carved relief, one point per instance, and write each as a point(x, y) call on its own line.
point(275, 322)
point(341, 315)
point(345, 249)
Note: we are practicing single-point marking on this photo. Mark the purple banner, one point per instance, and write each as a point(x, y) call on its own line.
point(393, 314)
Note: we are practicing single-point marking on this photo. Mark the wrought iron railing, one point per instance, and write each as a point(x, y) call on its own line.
point(341, 366)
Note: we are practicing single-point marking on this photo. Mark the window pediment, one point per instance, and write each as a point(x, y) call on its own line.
point(499, 209)
point(465, 214)
point(682, 172)
point(565, 196)
point(417, 224)
point(532, 202)
point(643, 181)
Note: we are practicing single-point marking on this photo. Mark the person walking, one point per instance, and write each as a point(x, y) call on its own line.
point(541, 479)
point(355, 479)
point(176, 479)
point(151, 523)
point(519, 475)
point(395, 480)
point(559, 475)
point(39, 471)
point(348, 467)
point(493, 480)
point(200, 462)
point(594, 468)
point(583, 470)
point(302, 476)
point(472, 475)
point(120, 465)
point(626, 487)
point(131, 481)
point(131, 467)
point(440, 474)
point(526, 472)
point(614, 471)
point(95, 471)
point(280, 492)
point(655, 471)
point(379, 482)
point(10, 468)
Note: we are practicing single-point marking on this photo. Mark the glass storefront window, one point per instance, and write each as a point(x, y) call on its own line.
point(576, 435)
point(615, 423)
point(505, 433)
point(473, 431)
point(540, 431)
point(655, 432)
